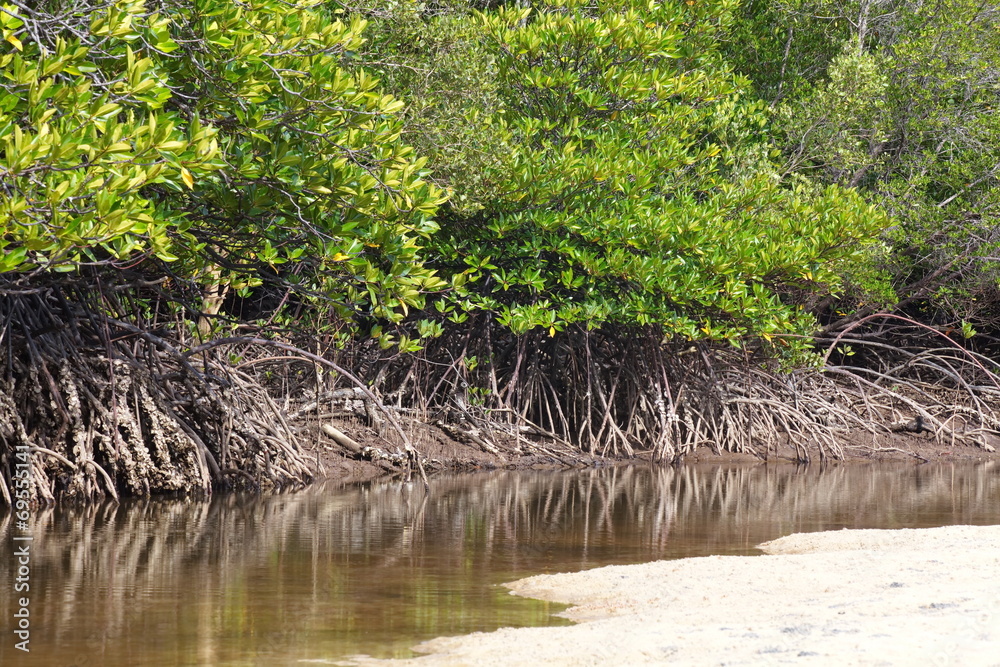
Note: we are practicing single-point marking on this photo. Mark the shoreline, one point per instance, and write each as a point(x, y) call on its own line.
point(353, 471)
point(848, 597)
point(443, 452)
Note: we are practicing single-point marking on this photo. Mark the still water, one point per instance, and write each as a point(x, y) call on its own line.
point(375, 568)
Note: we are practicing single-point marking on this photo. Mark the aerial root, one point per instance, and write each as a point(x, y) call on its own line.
point(617, 393)
point(101, 408)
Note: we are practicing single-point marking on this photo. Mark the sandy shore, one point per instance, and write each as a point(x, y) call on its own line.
point(851, 597)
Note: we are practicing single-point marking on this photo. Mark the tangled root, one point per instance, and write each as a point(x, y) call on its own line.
point(99, 407)
point(619, 392)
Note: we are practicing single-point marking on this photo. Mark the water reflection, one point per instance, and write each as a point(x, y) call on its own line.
point(375, 568)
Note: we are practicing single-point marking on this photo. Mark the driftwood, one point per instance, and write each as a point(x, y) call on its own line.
point(343, 440)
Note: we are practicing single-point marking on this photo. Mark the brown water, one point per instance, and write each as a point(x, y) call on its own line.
point(376, 568)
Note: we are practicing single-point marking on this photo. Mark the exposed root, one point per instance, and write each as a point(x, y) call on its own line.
point(619, 392)
point(105, 408)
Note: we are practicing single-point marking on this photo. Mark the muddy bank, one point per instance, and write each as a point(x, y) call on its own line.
point(438, 447)
point(852, 597)
point(441, 450)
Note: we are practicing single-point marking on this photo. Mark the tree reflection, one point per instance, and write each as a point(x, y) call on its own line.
point(375, 568)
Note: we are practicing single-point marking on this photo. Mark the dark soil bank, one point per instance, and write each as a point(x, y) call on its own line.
point(443, 451)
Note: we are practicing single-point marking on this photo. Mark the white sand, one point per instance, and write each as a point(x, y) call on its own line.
point(852, 597)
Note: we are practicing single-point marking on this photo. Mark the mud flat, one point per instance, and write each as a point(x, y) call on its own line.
point(850, 597)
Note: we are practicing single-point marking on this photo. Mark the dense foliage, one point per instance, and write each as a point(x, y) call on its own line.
point(597, 164)
point(220, 144)
point(639, 188)
point(898, 100)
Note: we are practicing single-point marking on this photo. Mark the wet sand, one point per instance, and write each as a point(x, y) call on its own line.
point(850, 597)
